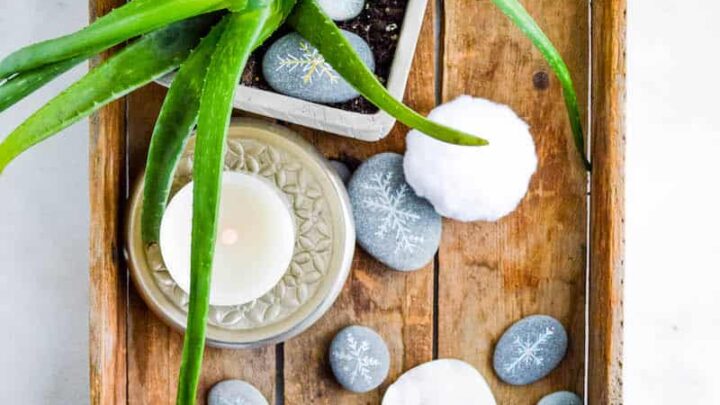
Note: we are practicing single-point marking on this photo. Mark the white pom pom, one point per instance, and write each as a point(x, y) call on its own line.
point(470, 183)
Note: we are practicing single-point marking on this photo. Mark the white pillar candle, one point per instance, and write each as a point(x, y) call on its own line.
point(255, 241)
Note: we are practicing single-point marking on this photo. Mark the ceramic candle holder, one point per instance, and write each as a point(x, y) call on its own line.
point(324, 246)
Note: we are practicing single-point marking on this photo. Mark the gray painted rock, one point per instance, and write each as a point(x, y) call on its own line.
point(530, 349)
point(342, 170)
point(359, 359)
point(561, 398)
point(342, 10)
point(295, 68)
point(235, 392)
point(393, 224)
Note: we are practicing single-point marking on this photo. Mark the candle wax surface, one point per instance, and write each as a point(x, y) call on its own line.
point(255, 240)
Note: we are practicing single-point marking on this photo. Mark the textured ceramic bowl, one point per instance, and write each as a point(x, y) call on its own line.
point(324, 247)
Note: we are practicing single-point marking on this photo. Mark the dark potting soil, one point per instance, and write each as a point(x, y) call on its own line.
point(379, 24)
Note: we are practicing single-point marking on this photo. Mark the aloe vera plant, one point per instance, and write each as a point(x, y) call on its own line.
point(209, 41)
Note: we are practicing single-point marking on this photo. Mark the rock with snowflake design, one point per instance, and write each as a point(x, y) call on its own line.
point(359, 359)
point(561, 398)
point(235, 392)
point(530, 349)
point(393, 224)
point(293, 67)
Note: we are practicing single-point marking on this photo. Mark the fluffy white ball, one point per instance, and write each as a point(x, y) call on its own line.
point(470, 183)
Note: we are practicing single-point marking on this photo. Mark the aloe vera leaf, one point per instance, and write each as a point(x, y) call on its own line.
point(145, 60)
point(21, 85)
point(174, 125)
point(176, 121)
point(310, 21)
point(133, 19)
point(518, 15)
point(223, 75)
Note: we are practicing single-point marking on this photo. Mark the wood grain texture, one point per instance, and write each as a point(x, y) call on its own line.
point(607, 214)
point(108, 277)
point(154, 349)
point(399, 306)
point(533, 261)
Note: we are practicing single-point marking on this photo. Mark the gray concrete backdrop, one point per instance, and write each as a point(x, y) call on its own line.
point(43, 234)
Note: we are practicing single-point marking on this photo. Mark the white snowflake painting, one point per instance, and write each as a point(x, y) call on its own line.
point(395, 218)
point(357, 362)
point(311, 62)
point(528, 351)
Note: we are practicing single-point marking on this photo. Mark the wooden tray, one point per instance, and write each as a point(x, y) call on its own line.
point(486, 276)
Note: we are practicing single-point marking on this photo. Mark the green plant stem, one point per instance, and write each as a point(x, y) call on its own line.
point(174, 125)
point(223, 75)
point(518, 15)
point(149, 58)
point(311, 22)
point(135, 18)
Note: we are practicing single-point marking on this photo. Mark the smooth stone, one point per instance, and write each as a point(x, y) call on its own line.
point(561, 398)
point(342, 10)
point(393, 224)
point(359, 359)
point(342, 170)
point(295, 68)
point(440, 382)
point(235, 392)
point(530, 349)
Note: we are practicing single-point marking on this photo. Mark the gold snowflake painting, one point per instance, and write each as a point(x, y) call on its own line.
point(310, 61)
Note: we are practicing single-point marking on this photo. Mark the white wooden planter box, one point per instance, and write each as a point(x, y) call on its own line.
point(366, 127)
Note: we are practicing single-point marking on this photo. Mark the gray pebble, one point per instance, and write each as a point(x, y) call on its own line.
point(342, 10)
point(342, 170)
point(530, 349)
point(359, 359)
point(235, 392)
point(561, 398)
point(295, 68)
point(393, 224)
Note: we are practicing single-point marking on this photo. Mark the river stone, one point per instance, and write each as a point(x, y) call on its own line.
point(392, 223)
point(342, 10)
point(530, 349)
point(235, 392)
point(359, 359)
point(295, 68)
point(561, 398)
point(342, 170)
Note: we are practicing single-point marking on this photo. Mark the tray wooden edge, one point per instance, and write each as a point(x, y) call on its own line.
point(607, 203)
point(108, 277)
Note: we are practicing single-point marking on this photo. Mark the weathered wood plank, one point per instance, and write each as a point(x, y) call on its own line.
point(106, 269)
point(607, 203)
point(397, 305)
point(492, 274)
point(155, 349)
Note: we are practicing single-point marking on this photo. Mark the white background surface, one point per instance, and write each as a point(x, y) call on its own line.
point(43, 235)
point(672, 282)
